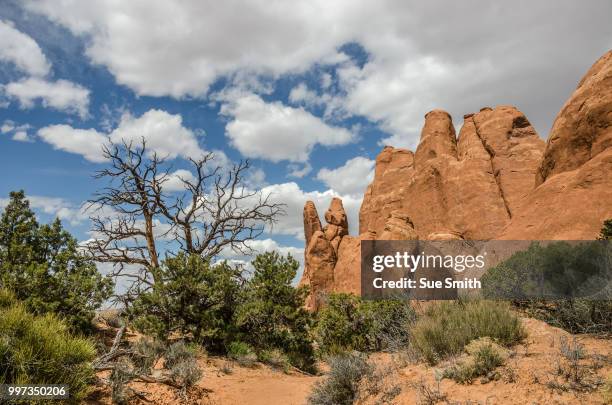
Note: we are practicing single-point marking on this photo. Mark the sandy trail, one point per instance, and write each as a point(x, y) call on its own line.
point(533, 365)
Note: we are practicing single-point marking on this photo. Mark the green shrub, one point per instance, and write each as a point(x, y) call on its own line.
point(341, 386)
point(275, 358)
point(558, 283)
point(179, 352)
point(484, 356)
point(558, 270)
point(575, 316)
point(180, 366)
point(487, 357)
point(192, 299)
point(213, 306)
point(606, 230)
point(7, 298)
point(39, 349)
point(181, 361)
point(145, 353)
point(348, 323)
point(119, 378)
point(271, 312)
point(45, 268)
point(446, 328)
point(242, 352)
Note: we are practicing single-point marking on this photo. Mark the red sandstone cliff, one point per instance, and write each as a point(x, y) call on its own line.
point(496, 180)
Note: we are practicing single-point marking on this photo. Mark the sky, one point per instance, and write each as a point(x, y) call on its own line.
point(308, 91)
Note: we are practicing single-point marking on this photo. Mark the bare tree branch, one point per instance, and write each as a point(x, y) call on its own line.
point(215, 211)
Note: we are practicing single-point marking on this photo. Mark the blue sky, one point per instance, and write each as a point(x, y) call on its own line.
point(310, 93)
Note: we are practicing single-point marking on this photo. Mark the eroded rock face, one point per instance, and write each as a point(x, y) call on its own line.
point(312, 223)
point(582, 129)
point(468, 187)
point(496, 180)
point(437, 138)
point(574, 180)
point(322, 249)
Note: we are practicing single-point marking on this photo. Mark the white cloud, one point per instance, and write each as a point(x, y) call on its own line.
point(61, 95)
point(163, 132)
point(7, 127)
point(255, 178)
point(274, 131)
point(174, 180)
point(351, 178)
point(326, 80)
point(420, 55)
point(21, 50)
point(262, 246)
point(298, 171)
point(19, 132)
point(294, 197)
point(54, 206)
point(182, 55)
point(397, 94)
point(333, 105)
point(302, 94)
point(59, 208)
point(21, 136)
point(86, 142)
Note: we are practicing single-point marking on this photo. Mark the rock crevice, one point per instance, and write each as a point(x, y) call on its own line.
point(494, 170)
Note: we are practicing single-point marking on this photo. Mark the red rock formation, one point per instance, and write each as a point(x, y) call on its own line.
point(582, 129)
point(574, 180)
point(323, 247)
point(466, 188)
point(496, 180)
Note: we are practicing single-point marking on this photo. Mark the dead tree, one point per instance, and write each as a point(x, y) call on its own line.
point(215, 211)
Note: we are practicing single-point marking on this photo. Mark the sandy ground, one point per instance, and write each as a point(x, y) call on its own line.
point(527, 378)
point(533, 364)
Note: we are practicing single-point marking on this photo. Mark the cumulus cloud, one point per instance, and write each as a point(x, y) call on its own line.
point(294, 197)
point(274, 131)
point(351, 178)
point(61, 95)
point(420, 55)
point(298, 170)
point(85, 142)
point(18, 132)
point(257, 36)
point(301, 93)
point(60, 208)
point(163, 132)
point(261, 246)
point(333, 105)
point(175, 180)
point(255, 178)
point(22, 51)
point(55, 207)
point(21, 136)
point(326, 80)
point(7, 126)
